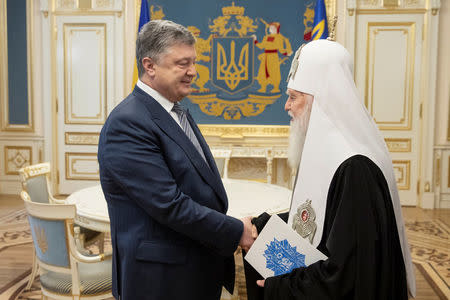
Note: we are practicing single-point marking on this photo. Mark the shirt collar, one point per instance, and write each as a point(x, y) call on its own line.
point(164, 102)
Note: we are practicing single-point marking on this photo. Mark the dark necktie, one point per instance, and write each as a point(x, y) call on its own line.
point(187, 127)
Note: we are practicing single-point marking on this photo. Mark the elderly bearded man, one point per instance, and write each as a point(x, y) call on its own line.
point(171, 238)
point(346, 180)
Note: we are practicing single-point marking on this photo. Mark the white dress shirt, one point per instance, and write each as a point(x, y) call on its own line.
point(163, 101)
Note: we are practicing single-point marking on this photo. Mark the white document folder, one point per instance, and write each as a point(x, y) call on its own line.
point(279, 249)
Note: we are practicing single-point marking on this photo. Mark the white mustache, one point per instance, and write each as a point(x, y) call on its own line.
point(291, 114)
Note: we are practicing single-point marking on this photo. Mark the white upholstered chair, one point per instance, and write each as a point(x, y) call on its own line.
point(66, 273)
point(35, 181)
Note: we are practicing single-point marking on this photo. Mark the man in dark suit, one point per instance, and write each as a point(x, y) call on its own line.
point(171, 238)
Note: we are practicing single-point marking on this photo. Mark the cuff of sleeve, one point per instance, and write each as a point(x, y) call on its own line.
point(261, 221)
point(233, 234)
point(276, 288)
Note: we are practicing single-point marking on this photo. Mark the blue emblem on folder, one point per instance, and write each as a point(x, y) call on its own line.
point(282, 258)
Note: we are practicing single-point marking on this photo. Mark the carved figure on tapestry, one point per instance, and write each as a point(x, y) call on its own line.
point(273, 44)
point(203, 49)
point(156, 14)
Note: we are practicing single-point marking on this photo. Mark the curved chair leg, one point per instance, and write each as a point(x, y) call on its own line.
point(34, 269)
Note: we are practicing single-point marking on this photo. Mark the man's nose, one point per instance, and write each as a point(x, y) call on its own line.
point(287, 106)
point(191, 70)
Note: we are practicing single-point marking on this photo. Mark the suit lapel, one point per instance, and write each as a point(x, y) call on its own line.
point(209, 157)
point(167, 124)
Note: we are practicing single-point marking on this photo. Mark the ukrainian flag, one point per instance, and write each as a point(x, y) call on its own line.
point(144, 18)
point(320, 28)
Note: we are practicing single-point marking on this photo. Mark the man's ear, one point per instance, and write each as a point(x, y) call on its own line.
point(149, 65)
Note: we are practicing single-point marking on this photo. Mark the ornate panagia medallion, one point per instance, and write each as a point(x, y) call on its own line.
point(303, 222)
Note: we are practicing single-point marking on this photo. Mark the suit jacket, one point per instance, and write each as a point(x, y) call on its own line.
point(171, 238)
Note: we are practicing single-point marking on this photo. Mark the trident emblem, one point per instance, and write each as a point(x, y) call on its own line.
point(229, 70)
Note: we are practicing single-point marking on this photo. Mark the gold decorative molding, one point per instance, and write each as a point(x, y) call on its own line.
point(437, 174)
point(243, 131)
point(427, 187)
point(390, 3)
point(17, 157)
point(390, 11)
point(403, 167)
point(81, 138)
point(65, 4)
point(102, 3)
point(368, 2)
point(84, 4)
point(411, 2)
point(72, 158)
point(398, 145)
point(35, 170)
point(331, 8)
point(373, 29)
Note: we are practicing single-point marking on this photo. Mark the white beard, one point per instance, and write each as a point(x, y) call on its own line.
point(297, 135)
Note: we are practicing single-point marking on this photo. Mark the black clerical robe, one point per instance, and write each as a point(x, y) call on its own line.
point(360, 238)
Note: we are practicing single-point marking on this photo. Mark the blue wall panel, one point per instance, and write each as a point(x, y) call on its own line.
point(17, 62)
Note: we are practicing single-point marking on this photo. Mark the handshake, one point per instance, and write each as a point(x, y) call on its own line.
point(249, 234)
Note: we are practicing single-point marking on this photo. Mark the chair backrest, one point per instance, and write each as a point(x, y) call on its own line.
point(50, 225)
point(35, 181)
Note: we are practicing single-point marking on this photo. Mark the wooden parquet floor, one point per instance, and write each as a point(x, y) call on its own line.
point(427, 230)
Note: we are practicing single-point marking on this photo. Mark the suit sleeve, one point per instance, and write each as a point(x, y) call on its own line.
point(133, 157)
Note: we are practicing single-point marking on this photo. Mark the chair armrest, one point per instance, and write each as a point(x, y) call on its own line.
point(53, 200)
point(87, 259)
point(80, 254)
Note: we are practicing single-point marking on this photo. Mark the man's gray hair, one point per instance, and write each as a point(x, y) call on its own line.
point(156, 37)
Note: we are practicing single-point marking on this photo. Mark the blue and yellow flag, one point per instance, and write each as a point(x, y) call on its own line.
point(144, 18)
point(320, 27)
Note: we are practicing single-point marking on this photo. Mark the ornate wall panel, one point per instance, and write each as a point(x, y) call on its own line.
point(16, 38)
point(398, 145)
point(88, 6)
point(390, 73)
point(85, 60)
point(402, 170)
point(248, 168)
point(17, 157)
point(82, 166)
point(81, 138)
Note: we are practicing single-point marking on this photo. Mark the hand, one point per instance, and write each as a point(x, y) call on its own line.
point(260, 283)
point(254, 232)
point(247, 236)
